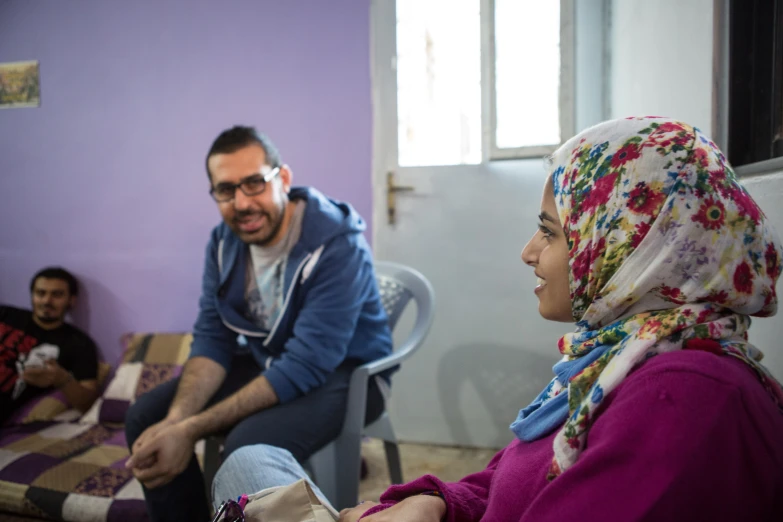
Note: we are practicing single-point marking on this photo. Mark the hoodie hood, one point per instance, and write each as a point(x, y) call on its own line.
point(335, 218)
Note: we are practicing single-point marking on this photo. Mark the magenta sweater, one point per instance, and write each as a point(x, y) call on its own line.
point(689, 436)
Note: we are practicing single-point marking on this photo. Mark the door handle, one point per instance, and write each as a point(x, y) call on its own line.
point(391, 200)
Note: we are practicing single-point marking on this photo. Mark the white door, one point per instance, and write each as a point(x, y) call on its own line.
point(463, 226)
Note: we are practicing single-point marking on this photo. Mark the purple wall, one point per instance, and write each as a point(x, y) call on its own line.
point(107, 178)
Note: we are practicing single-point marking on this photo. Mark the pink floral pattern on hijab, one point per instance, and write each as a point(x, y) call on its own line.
point(666, 249)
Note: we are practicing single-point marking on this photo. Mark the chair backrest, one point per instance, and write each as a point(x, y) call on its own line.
point(398, 285)
point(394, 297)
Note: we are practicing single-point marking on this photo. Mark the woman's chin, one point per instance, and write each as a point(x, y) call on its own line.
point(544, 311)
point(558, 316)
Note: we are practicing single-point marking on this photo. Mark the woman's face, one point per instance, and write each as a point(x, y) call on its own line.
point(547, 253)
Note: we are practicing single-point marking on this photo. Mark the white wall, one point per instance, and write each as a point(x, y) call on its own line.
point(661, 63)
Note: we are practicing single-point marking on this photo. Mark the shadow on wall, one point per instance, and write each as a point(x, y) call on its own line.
point(102, 315)
point(505, 378)
point(80, 316)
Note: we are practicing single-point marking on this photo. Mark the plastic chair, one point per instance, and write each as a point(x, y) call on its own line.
point(336, 467)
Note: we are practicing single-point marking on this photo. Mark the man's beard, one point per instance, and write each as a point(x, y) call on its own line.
point(48, 319)
point(274, 225)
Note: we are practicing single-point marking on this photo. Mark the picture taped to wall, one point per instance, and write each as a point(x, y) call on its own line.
point(19, 85)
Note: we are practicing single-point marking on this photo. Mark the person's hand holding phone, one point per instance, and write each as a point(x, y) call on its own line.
point(48, 375)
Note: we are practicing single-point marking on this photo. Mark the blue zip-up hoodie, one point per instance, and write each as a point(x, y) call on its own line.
point(332, 310)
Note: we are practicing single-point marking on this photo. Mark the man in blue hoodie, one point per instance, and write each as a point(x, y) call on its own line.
point(289, 307)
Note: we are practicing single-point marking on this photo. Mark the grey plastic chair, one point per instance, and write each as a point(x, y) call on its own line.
point(336, 467)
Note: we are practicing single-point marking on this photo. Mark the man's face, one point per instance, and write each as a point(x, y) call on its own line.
point(51, 300)
point(254, 219)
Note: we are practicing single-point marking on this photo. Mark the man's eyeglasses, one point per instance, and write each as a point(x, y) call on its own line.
point(231, 510)
point(250, 186)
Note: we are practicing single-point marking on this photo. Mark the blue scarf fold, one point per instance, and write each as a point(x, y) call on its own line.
point(546, 412)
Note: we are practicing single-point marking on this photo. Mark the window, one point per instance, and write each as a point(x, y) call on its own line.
point(479, 80)
point(438, 82)
point(755, 83)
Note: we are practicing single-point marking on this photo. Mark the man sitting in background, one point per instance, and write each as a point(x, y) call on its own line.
point(39, 351)
point(289, 307)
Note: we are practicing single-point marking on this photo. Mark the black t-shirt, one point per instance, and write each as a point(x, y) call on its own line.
point(21, 339)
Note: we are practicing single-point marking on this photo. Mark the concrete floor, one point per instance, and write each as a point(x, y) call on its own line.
point(446, 462)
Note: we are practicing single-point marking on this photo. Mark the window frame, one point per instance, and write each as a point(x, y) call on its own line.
point(567, 112)
point(721, 101)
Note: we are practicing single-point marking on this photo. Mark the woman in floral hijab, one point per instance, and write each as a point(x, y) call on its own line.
point(660, 408)
point(666, 251)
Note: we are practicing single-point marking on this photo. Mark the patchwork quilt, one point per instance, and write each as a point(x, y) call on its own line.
point(68, 471)
point(73, 469)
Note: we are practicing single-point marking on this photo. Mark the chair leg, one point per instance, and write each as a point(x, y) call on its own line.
point(349, 457)
point(382, 429)
point(211, 461)
point(322, 466)
point(393, 461)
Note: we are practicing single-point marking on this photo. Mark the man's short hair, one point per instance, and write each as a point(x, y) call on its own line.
point(56, 272)
point(237, 137)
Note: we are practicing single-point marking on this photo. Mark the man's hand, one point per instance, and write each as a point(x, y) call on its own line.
point(145, 437)
point(151, 432)
point(163, 455)
point(52, 375)
point(419, 508)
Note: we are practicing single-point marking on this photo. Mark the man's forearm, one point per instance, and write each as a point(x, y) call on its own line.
point(80, 395)
point(255, 396)
point(200, 379)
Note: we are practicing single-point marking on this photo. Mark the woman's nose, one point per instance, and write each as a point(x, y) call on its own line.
point(529, 253)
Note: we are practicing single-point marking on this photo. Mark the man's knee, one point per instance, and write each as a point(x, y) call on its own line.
point(148, 409)
point(247, 434)
point(135, 422)
point(237, 439)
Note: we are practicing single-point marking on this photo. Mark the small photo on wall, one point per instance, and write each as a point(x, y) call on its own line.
point(19, 85)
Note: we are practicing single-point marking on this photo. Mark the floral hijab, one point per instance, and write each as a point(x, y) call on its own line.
point(666, 248)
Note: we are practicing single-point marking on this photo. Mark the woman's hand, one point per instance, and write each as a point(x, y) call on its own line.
point(419, 508)
point(355, 513)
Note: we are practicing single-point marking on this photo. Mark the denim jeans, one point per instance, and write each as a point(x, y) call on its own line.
point(253, 468)
point(302, 427)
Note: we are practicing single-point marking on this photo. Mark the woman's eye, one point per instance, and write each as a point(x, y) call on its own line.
point(547, 233)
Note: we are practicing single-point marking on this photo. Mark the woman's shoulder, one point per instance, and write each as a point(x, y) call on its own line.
point(693, 370)
point(684, 422)
point(700, 391)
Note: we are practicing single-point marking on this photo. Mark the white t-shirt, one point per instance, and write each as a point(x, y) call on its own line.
point(265, 274)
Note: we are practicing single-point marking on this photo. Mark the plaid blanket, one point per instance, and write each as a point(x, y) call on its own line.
point(72, 467)
point(68, 471)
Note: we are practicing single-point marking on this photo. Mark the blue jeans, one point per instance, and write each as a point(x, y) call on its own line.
point(302, 427)
point(253, 468)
